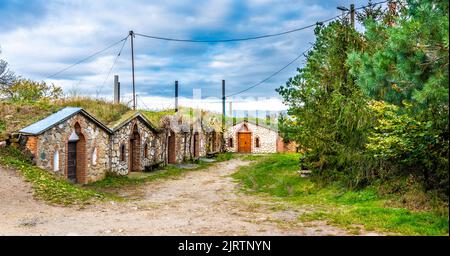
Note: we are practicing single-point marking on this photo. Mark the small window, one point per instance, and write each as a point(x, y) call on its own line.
point(257, 142)
point(94, 156)
point(56, 161)
point(146, 150)
point(230, 142)
point(122, 152)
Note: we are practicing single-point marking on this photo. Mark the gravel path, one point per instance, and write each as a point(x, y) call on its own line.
point(196, 203)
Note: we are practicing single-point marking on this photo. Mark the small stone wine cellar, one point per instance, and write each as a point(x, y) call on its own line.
point(74, 144)
point(190, 139)
point(70, 142)
point(250, 137)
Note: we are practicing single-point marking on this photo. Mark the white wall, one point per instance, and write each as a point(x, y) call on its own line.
point(267, 138)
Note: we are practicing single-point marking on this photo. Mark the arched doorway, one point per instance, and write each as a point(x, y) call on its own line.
point(212, 142)
point(76, 156)
point(244, 140)
point(135, 150)
point(196, 145)
point(171, 155)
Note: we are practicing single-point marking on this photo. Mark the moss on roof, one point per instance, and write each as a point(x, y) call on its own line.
point(17, 115)
point(127, 115)
point(155, 117)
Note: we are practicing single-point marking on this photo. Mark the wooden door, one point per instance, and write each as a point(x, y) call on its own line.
point(171, 154)
point(196, 145)
point(72, 161)
point(244, 142)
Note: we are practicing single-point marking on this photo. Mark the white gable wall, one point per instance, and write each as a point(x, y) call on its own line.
point(267, 138)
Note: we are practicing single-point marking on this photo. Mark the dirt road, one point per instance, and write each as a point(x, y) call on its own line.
point(196, 203)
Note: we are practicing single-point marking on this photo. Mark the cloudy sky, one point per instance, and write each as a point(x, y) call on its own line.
point(39, 38)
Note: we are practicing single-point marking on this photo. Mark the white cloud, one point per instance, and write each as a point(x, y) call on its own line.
point(72, 30)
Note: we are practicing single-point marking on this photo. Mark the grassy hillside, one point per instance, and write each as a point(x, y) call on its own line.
point(155, 116)
point(16, 115)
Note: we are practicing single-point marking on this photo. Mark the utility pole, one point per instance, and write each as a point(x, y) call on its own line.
point(223, 116)
point(132, 68)
point(176, 96)
point(352, 15)
point(223, 105)
point(116, 90)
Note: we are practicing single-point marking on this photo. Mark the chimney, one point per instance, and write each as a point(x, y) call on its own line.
point(116, 89)
point(176, 96)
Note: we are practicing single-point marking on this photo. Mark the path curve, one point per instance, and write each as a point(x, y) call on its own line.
point(206, 202)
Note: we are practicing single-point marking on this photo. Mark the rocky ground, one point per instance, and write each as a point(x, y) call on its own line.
point(205, 202)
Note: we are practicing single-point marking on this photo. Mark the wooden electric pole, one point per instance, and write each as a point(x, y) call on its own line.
point(352, 15)
point(223, 105)
point(176, 96)
point(223, 116)
point(132, 68)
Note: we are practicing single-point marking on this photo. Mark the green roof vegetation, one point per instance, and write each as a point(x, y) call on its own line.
point(155, 116)
point(15, 115)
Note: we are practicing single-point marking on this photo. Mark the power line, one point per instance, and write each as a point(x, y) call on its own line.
point(112, 66)
point(143, 103)
point(251, 38)
point(236, 39)
point(83, 60)
point(272, 75)
point(375, 4)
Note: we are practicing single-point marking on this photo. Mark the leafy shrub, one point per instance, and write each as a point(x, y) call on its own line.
point(403, 145)
point(26, 90)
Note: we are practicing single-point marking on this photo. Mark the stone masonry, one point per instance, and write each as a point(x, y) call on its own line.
point(268, 138)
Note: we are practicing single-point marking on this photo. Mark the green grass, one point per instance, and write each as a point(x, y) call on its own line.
point(169, 171)
point(47, 186)
point(155, 116)
point(276, 175)
point(17, 115)
point(103, 110)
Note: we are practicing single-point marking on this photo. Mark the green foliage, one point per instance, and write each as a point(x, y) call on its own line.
point(276, 175)
point(406, 64)
point(402, 59)
point(25, 90)
point(328, 113)
point(402, 145)
point(46, 186)
point(156, 116)
point(407, 61)
point(2, 126)
point(103, 110)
